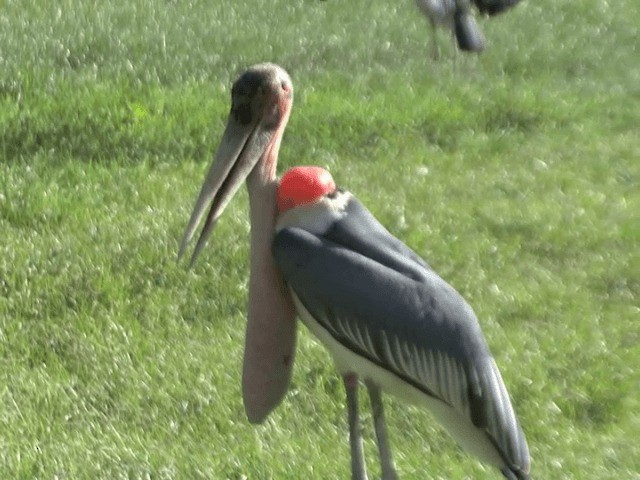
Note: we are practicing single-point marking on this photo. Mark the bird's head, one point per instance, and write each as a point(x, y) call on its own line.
point(261, 100)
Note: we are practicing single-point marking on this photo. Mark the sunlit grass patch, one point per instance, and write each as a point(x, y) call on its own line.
point(515, 174)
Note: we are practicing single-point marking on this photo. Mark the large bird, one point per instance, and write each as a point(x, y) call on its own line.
point(385, 316)
point(456, 16)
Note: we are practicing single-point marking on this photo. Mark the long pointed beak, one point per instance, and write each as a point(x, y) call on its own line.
point(260, 105)
point(240, 149)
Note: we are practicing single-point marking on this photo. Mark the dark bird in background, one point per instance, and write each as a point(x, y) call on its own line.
point(456, 15)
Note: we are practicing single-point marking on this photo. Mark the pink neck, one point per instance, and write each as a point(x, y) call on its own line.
point(271, 326)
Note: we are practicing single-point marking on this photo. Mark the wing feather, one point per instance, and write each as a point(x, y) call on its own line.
point(395, 311)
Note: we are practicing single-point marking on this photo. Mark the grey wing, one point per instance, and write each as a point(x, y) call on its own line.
point(414, 326)
point(360, 231)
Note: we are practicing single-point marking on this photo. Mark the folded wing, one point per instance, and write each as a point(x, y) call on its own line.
point(380, 300)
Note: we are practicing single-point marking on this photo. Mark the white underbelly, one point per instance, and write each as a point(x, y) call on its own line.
point(471, 438)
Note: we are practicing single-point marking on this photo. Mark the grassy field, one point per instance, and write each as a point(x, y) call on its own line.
point(515, 174)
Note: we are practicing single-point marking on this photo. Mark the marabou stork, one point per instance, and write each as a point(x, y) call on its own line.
point(385, 316)
point(456, 16)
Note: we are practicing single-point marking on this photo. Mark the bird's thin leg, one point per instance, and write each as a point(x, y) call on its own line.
point(456, 50)
point(435, 48)
point(358, 467)
point(386, 459)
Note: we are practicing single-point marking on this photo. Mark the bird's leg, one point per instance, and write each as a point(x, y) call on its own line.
point(358, 467)
point(456, 50)
point(386, 459)
point(435, 48)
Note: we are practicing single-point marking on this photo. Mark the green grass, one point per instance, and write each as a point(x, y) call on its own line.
point(515, 174)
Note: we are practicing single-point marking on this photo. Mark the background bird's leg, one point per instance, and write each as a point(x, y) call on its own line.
point(358, 467)
point(435, 49)
point(456, 50)
point(386, 459)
